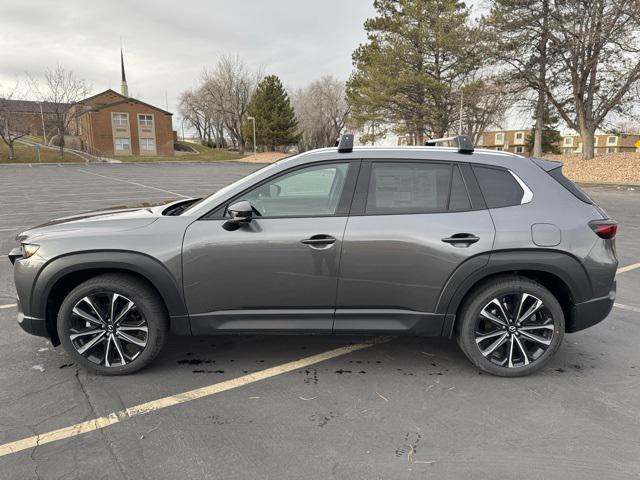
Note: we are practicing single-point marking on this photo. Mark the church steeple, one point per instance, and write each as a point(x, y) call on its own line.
point(124, 89)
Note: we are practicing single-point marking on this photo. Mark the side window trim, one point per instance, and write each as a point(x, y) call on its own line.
point(342, 210)
point(473, 187)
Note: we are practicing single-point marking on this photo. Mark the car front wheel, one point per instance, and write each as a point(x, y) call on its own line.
point(113, 324)
point(510, 326)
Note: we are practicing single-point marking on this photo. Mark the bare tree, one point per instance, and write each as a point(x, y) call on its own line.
point(321, 110)
point(62, 90)
point(13, 126)
point(599, 61)
point(519, 34)
point(485, 102)
point(230, 86)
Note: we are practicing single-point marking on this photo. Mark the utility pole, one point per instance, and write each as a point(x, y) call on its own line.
point(460, 122)
point(253, 119)
point(44, 131)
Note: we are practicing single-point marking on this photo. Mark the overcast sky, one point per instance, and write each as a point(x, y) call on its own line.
point(167, 44)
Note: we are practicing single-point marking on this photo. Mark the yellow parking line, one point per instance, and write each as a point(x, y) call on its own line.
point(633, 266)
point(626, 307)
point(9, 305)
point(115, 417)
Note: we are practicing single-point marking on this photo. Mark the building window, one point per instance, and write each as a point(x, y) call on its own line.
point(499, 149)
point(611, 149)
point(147, 144)
point(120, 119)
point(500, 137)
point(568, 141)
point(612, 140)
point(145, 120)
point(122, 144)
point(519, 136)
point(519, 149)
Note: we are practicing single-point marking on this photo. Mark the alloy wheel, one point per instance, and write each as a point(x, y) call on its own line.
point(108, 329)
point(514, 330)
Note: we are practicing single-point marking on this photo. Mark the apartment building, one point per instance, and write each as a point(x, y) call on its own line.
point(602, 144)
point(514, 141)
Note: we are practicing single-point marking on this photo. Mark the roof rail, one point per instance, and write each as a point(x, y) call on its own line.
point(345, 144)
point(463, 142)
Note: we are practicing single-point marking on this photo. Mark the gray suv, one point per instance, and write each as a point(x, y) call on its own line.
point(499, 251)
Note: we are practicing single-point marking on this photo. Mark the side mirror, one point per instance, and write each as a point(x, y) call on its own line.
point(240, 213)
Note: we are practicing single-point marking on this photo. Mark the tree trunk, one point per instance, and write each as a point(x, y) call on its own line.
point(542, 84)
point(12, 153)
point(588, 135)
point(539, 128)
point(61, 139)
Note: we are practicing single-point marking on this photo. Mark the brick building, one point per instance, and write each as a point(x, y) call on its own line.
point(601, 143)
point(514, 141)
point(31, 116)
point(114, 123)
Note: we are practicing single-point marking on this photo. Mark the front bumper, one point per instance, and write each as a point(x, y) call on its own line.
point(587, 314)
point(32, 325)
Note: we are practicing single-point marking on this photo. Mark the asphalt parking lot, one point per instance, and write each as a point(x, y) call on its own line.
point(405, 408)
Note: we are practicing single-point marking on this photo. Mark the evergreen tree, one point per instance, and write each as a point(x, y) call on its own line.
point(551, 137)
point(418, 56)
point(276, 123)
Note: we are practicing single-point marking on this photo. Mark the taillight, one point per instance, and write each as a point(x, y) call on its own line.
point(606, 229)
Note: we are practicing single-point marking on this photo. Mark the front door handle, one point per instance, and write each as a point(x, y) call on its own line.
point(461, 239)
point(318, 241)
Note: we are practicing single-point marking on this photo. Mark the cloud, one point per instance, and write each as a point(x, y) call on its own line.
point(167, 44)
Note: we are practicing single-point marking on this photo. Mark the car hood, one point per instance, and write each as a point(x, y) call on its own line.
point(112, 220)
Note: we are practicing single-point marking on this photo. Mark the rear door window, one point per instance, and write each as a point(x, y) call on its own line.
point(499, 187)
point(415, 187)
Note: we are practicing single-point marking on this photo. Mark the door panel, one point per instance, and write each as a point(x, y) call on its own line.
point(261, 276)
point(400, 263)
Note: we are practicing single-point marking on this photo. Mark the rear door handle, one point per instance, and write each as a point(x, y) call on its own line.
point(461, 239)
point(320, 240)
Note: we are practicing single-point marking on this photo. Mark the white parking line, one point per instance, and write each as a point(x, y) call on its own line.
point(154, 405)
point(626, 307)
point(633, 266)
point(133, 183)
point(8, 305)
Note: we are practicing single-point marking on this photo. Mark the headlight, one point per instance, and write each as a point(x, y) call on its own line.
point(29, 250)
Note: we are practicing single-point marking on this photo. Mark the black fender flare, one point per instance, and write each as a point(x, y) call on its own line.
point(560, 264)
point(116, 260)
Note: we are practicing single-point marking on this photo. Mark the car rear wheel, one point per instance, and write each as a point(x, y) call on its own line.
point(113, 324)
point(510, 326)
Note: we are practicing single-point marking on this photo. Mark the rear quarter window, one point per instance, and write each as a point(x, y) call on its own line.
point(499, 187)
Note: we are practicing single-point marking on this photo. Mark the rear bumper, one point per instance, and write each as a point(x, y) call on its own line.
point(587, 314)
point(32, 325)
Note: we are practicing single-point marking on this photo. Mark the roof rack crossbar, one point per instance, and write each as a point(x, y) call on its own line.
point(463, 142)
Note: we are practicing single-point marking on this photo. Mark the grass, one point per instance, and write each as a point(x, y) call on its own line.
point(27, 154)
point(204, 154)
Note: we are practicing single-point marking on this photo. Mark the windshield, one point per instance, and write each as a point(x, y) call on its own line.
point(220, 193)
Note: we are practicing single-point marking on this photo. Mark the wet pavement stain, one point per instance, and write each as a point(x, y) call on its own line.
point(321, 419)
point(311, 376)
point(187, 361)
point(220, 420)
point(411, 441)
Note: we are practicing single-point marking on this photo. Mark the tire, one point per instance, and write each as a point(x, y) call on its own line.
point(125, 337)
point(516, 348)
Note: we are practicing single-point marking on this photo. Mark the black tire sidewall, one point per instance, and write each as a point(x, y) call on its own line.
point(147, 303)
point(471, 309)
